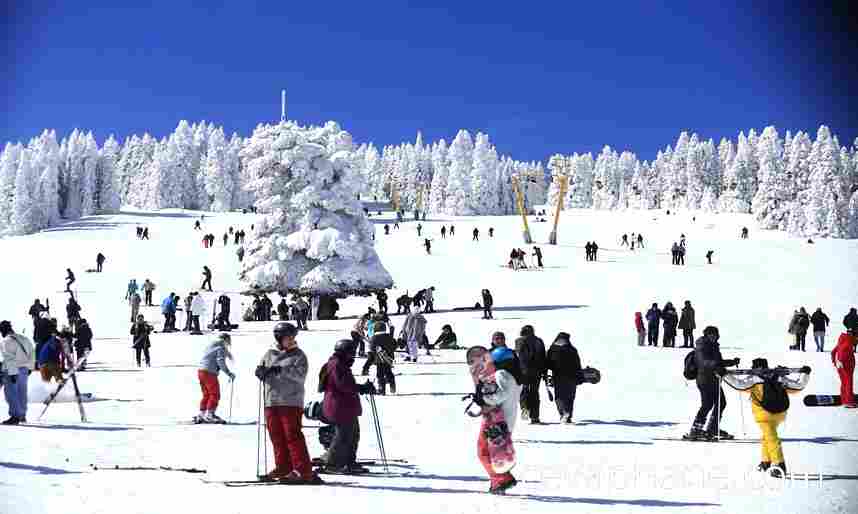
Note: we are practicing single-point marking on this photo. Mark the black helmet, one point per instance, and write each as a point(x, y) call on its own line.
point(284, 329)
point(527, 330)
point(711, 332)
point(5, 327)
point(346, 346)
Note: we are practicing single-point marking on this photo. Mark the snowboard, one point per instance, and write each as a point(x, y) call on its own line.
point(501, 450)
point(822, 400)
point(589, 375)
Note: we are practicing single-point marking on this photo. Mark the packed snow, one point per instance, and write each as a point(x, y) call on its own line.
point(611, 460)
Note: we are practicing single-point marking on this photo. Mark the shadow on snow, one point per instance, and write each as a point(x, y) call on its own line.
point(43, 470)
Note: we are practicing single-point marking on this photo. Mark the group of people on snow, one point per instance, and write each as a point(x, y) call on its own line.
point(670, 322)
point(142, 232)
point(677, 252)
point(636, 239)
point(591, 249)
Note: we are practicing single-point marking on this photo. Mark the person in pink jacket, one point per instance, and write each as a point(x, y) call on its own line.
point(641, 330)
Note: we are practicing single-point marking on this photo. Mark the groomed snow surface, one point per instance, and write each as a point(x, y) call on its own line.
point(610, 461)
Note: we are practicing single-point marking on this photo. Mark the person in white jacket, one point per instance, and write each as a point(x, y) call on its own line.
point(412, 332)
point(198, 310)
point(19, 359)
point(508, 379)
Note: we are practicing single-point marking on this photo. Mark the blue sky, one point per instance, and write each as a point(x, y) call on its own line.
point(539, 77)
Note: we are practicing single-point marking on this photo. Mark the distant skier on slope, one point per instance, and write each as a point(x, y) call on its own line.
point(69, 280)
point(212, 363)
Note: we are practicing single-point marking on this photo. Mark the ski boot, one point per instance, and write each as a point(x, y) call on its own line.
point(763, 467)
point(501, 488)
point(275, 475)
point(697, 434)
point(356, 469)
point(720, 436)
point(778, 470)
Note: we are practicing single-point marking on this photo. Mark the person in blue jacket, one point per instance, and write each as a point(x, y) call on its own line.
point(168, 309)
point(653, 315)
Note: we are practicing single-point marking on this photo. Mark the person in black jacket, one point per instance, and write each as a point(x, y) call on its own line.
point(820, 321)
point(73, 312)
point(99, 262)
point(447, 339)
point(488, 302)
point(83, 340)
point(207, 278)
point(653, 315)
point(69, 280)
point(670, 320)
point(798, 326)
point(382, 346)
point(710, 367)
point(564, 363)
point(687, 324)
point(850, 321)
point(531, 352)
point(141, 330)
point(37, 309)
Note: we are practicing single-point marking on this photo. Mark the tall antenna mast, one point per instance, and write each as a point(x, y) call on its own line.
point(283, 105)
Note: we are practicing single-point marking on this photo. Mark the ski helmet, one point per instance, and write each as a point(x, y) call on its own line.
point(711, 332)
point(284, 329)
point(502, 354)
point(346, 346)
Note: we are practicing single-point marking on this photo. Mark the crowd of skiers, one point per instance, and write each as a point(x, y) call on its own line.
point(636, 239)
point(517, 258)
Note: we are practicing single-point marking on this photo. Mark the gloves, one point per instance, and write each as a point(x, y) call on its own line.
point(838, 364)
point(735, 362)
point(549, 380)
point(367, 388)
point(805, 369)
point(231, 376)
point(260, 372)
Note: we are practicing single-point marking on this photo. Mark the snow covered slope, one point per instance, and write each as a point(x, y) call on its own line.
point(610, 461)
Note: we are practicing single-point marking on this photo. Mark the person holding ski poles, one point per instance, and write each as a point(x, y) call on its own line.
point(283, 371)
point(710, 367)
point(508, 378)
point(212, 363)
point(769, 390)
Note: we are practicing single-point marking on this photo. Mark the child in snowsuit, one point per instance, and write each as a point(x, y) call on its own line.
point(641, 330)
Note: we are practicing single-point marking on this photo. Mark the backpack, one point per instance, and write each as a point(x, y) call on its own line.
point(775, 399)
point(690, 368)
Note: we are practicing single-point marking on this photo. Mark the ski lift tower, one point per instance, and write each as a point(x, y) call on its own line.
point(282, 105)
point(519, 201)
point(562, 181)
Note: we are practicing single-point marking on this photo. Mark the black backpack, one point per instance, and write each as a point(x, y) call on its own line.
point(690, 369)
point(775, 398)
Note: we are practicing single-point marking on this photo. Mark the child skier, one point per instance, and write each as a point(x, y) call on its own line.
point(769, 402)
point(506, 396)
point(639, 327)
point(212, 363)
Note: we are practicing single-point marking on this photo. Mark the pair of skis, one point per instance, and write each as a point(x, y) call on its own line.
point(65, 380)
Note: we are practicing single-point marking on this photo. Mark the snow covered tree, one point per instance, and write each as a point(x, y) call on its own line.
point(581, 181)
point(822, 209)
point(107, 186)
point(441, 172)
point(606, 184)
point(798, 175)
point(316, 239)
point(739, 180)
point(9, 161)
point(219, 178)
point(25, 204)
point(772, 201)
point(458, 200)
point(558, 166)
point(676, 177)
point(483, 196)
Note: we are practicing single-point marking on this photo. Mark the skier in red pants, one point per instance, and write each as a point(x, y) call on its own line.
point(843, 357)
point(508, 378)
point(212, 363)
point(283, 371)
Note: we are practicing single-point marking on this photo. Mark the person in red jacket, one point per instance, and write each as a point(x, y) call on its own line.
point(843, 357)
point(639, 326)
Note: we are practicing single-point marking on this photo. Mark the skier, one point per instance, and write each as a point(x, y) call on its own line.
point(843, 358)
point(283, 309)
point(674, 253)
point(223, 302)
point(820, 321)
point(73, 312)
point(429, 296)
point(427, 243)
point(381, 296)
point(236, 237)
point(443, 232)
point(508, 379)
point(240, 253)
point(491, 232)
point(386, 229)
point(19, 359)
point(212, 363)
point(687, 324)
point(207, 278)
point(588, 248)
point(197, 225)
point(382, 347)
point(709, 256)
point(668, 315)
point(639, 327)
point(205, 241)
point(131, 289)
point(744, 232)
point(653, 315)
point(403, 304)
point(513, 259)
point(419, 229)
point(640, 241)
point(710, 367)
point(769, 390)
point(452, 231)
point(850, 321)
point(682, 240)
point(168, 309)
point(531, 352)
point(476, 234)
point(69, 280)
point(413, 330)
point(141, 343)
point(798, 326)
point(595, 251)
point(146, 233)
point(488, 302)
point(83, 341)
point(48, 360)
point(358, 334)
point(189, 299)
point(225, 239)
point(148, 287)
point(341, 407)
point(625, 240)
point(681, 255)
point(135, 306)
point(537, 252)
point(99, 262)
point(564, 363)
point(45, 327)
point(198, 310)
point(37, 309)
point(303, 313)
point(447, 339)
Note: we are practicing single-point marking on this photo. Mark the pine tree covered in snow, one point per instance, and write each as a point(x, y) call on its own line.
point(219, 178)
point(9, 161)
point(458, 200)
point(107, 192)
point(581, 181)
point(822, 209)
point(24, 219)
point(483, 197)
point(316, 239)
point(773, 199)
point(441, 169)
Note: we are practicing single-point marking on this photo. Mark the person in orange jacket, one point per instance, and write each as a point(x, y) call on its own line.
point(843, 358)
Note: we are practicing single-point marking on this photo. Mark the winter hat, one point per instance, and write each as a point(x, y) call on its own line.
point(563, 336)
point(712, 332)
point(380, 326)
point(345, 346)
point(527, 330)
point(284, 329)
point(5, 328)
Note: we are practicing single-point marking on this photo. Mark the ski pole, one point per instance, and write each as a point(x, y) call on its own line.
point(231, 390)
point(742, 413)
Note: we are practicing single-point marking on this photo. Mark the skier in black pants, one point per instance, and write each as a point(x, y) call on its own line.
point(488, 302)
point(382, 301)
point(381, 348)
point(564, 363)
point(207, 278)
point(223, 318)
point(710, 367)
point(141, 330)
point(69, 280)
point(537, 252)
point(476, 235)
point(428, 244)
point(99, 262)
point(687, 324)
point(531, 352)
point(653, 315)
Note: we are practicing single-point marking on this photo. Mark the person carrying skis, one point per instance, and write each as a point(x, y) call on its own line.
point(148, 288)
point(769, 390)
point(488, 302)
point(382, 347)
point(207, 278)
point(19, 359)
point(537, 252)
point(69, 280)
point(639, 327)
point(413, 330)
point(48, 360)
point(531, 353)
point(710, 367)
point(135, 306)
point(99, 262)
point(341, 407)
point(820, 321)
point(843, 358)
point(83, 341)
point(140, 331)
point(687, 324)
point(564, 363)
point(508, 379)
point(668, 314)
point(653, 315)
point(212, 363)
point(132, 288)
